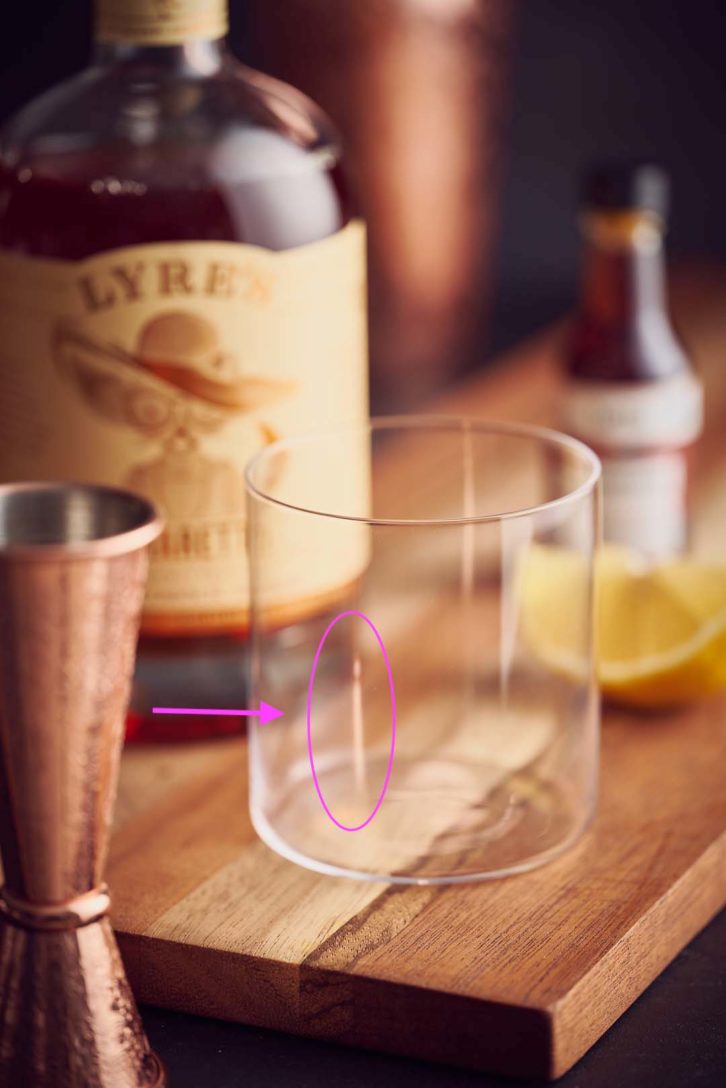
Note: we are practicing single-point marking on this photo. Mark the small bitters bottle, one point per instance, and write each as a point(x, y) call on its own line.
point(631, 393)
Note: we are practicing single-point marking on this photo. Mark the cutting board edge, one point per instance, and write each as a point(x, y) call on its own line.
point(286, 996)
point(211, 982)
point(706, 877)
point(338, 1007)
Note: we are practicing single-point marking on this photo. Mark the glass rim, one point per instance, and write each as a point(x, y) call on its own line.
point(421, 422)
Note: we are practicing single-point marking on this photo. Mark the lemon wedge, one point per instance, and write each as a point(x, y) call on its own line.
point(660, 629)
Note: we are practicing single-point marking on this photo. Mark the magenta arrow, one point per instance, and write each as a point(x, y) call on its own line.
point(266, 713)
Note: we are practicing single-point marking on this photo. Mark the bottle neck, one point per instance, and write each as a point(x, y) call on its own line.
point(623, 275)
point(186, 35)
point(199, 56)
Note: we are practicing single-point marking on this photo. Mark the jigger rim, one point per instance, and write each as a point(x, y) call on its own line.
point(145, 528)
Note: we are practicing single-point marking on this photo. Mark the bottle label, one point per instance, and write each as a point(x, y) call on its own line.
point(160, 22)
point(641, 431)
point(163, 369)
point(634, 415)
point(645, 502)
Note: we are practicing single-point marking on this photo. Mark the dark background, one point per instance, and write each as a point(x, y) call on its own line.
point(589, 80)
point(592, 80)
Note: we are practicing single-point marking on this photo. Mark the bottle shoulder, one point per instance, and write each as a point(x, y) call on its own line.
point(134, 154)
point(145, 108)
point(648, 349)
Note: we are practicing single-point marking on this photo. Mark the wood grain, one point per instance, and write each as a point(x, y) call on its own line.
point(519, 976)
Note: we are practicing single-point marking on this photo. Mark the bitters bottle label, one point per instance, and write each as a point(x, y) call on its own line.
point(642, 432)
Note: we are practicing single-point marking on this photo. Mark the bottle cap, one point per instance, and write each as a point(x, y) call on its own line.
point(639, 186)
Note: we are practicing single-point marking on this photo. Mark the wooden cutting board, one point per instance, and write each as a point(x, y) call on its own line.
point(519, 976)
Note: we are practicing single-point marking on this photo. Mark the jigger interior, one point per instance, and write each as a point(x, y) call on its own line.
point(56, 521)
point(72, 574)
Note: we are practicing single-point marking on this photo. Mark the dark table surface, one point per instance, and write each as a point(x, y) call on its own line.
point(674, 1036)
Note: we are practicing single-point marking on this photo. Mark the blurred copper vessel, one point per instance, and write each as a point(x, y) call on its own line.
point(418, 91)
point(72, 574)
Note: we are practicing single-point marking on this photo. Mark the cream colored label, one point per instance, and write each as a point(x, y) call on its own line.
point(645, 502)
point(633, 415)
point(640, 430)
point(163, 368)
point(160, 22)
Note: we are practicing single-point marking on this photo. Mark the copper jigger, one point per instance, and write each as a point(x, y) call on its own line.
point(73, 562)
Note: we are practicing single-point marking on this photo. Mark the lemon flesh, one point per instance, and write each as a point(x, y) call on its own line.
point(660, 631)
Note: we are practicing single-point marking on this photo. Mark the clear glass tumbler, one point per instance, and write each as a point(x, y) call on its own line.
point(439, 723)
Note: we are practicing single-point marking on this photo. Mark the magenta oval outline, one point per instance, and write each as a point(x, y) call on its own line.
point(313, 672)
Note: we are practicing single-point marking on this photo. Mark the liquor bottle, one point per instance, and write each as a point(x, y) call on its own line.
point(631, 393)
point(182, 280)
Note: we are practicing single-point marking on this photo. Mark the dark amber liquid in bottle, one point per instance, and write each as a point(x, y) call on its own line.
point(622, 332)
point(75, 205)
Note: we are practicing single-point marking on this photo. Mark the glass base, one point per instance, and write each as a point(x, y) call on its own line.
point(472, 832)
